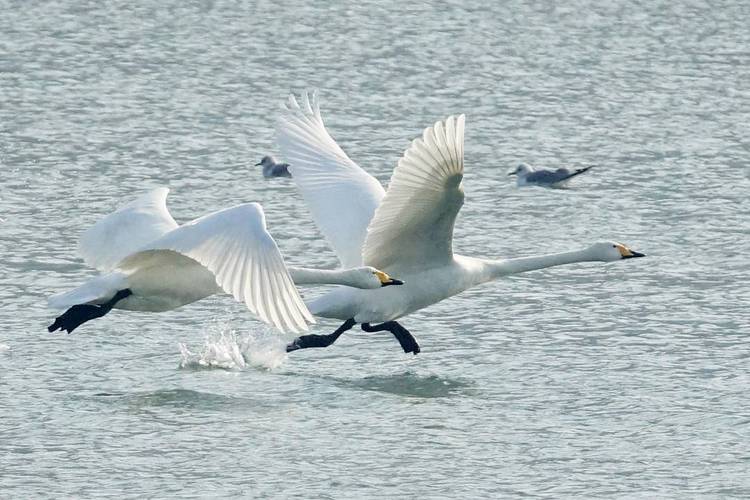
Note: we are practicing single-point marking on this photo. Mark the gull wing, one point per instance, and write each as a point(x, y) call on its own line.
point(236, 247)
point(548, 176)
point(126, 230)
point(341, 196)
point(413, 226)
point(553, 177)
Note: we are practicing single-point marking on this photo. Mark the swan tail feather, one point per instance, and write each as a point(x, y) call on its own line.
point(94, 291)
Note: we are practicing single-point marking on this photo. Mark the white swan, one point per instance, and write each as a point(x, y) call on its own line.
point(407, 230)
point(152, 264)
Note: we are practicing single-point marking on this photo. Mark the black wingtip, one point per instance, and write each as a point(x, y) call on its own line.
point(578, 171)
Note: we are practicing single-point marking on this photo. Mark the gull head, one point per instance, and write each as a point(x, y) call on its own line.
point(369, 277)
point(266, 161)
point(610, 251)
point(521, 169)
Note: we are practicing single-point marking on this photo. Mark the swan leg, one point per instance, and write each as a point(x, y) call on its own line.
point(305, 341)
point(404, 337)
point(81, 313)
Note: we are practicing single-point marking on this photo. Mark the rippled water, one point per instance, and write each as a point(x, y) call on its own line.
point(620, 380)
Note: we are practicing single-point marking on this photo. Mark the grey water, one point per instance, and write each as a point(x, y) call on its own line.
point(620, 380)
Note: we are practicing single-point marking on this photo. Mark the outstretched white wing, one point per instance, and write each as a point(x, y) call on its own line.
point(234, 245)
point(341, 196)
point(413, 226)
point(126, 230)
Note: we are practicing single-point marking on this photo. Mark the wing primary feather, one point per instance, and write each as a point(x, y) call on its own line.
point(434, 149)
point(450, 133)
point(292, 103)
point(238, 272)
point(298, 313)
point(291, 300)
point(276, 315)
point(284, 310)
point(264, 299)
point(421, 204)
point(255, 287)
point(340, 195)
point(460, 136)
point(306, 103)
point(294, 303)
point(316, 105)
point(228, 280)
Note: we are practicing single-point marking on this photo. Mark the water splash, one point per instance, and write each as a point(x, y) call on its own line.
point(225, 348)
point(5, 349)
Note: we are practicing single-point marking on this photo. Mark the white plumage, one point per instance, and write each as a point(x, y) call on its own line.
point(407, 232)
point(342, 197)
point(165, 266)
point(413, 226)
point(234, 245)
point(121, 233)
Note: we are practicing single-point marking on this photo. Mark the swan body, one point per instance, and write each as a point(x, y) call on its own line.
point(421, 289)
point(160, 282)
point(226, 251)
point(429, 286)
point(406, 230)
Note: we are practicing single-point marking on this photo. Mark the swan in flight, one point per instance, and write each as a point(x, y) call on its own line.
point(529, 176)
point(272, 168)
point(149, 263)
point(406, 231)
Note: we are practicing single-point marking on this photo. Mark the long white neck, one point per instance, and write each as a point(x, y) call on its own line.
point(307, 276)
point(494, 269)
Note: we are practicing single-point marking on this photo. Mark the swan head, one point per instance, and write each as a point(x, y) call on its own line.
point(368, 277)
point(266, 161)
point(610, 251)
point(521, 169)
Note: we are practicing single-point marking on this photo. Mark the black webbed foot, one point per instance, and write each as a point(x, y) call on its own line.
point(81, 313)
point(76, 316)
point(404, 337)
point(305, 341)
point(313, 340)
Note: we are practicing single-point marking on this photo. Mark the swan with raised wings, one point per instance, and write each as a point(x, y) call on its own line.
point(150, 263)
point(406, 231)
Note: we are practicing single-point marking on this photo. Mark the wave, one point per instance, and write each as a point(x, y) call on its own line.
point(410, 383)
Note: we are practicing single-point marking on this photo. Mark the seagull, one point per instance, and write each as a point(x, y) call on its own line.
point(272, 168)
point(529, 176)
point(150, 263)
point(406, 231)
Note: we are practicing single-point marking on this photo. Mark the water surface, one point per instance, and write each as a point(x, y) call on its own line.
point(621, 380)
